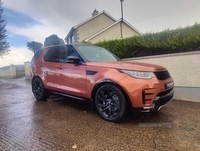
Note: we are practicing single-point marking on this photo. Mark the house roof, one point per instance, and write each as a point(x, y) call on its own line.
point(75, 27)
point(124, 21)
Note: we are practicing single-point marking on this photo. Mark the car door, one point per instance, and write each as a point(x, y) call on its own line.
point(72, 76)
point(51, 61)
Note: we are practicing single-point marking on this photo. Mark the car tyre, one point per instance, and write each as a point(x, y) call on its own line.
point(110, 103)
point(38, 89)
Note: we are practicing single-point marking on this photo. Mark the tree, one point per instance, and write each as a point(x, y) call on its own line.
point(34, 46)
point(4, 45)
point(53, 40)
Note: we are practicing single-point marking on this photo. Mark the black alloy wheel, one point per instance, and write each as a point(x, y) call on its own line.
point(110, 103)
point(38, 89)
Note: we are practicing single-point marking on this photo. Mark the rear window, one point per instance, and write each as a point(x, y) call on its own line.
point(36, 55)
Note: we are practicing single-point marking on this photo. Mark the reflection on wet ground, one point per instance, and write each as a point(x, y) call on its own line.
point(62, 124)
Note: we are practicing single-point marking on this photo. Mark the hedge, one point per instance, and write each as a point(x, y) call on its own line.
point(165, 42)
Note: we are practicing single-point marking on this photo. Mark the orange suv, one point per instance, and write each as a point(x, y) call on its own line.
point(94, 74)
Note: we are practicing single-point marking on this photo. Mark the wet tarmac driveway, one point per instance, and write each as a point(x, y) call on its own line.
point(65, 125)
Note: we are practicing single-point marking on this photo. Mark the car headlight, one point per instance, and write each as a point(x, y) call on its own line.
point(139, 74)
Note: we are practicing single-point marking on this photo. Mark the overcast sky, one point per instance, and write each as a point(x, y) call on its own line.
point(34, 20)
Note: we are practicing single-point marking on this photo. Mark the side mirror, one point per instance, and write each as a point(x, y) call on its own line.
point(73, 59)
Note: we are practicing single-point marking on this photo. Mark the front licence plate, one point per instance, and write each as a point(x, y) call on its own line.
point(169, 85)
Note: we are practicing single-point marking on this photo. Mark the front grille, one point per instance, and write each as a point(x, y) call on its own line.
point(162, 75)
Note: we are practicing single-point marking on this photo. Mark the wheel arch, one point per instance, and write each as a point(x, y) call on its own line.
point(35, 76)
point(108, 81)
point(41, 93)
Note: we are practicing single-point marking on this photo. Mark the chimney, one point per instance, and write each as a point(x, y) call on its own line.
point(95, 12)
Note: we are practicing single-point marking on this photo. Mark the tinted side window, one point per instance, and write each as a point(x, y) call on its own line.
point(66, 51)
point(52, 55)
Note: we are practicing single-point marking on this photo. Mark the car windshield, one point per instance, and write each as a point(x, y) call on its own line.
point(96, 54)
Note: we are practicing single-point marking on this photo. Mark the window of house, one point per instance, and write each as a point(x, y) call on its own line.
point(72, 38)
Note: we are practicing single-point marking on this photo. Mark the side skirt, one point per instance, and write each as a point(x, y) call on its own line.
point(71, 96)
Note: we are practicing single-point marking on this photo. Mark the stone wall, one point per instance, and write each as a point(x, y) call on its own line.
point(27, 70)
point(8, 72)
point(12, 71)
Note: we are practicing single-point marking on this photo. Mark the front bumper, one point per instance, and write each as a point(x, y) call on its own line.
point(161, 100)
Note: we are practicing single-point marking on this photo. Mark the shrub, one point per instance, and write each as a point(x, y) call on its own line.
point(165, 42)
